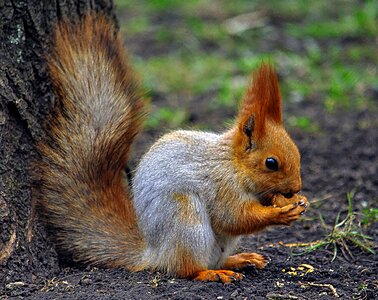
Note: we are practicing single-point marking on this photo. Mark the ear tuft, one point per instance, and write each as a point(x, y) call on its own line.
point(262, 100)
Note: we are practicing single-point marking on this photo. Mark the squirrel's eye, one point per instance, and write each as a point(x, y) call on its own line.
point(271, 164)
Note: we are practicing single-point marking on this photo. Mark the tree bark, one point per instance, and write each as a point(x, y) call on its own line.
point(26, 98)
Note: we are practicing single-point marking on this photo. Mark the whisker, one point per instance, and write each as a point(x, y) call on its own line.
point(268, 191)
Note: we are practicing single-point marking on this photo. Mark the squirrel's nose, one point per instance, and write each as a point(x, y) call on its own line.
point(291, 193)
point(288, 195)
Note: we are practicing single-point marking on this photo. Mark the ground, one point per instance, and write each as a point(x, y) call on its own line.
point(337, 159)
point(328, 80)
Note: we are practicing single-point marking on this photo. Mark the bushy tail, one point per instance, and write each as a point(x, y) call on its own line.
point(99, 114)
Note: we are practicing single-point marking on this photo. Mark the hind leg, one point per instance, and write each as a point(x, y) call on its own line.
point(242, 260)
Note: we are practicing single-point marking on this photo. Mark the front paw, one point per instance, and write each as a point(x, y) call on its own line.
point(289, 213)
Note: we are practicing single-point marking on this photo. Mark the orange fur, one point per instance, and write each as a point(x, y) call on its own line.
point(187, 212)
point(82, 190)
point(185, 266)
point(251, 216)
point(242, 260)
point(224, 276)
point(262, 101)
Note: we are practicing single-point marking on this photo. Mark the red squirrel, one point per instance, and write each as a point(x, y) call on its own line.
point(194, 193)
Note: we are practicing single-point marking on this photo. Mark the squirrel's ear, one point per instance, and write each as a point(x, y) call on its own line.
point(262, 102)
point(248, 128)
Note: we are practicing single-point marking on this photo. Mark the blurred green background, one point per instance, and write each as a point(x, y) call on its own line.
point(200, 53)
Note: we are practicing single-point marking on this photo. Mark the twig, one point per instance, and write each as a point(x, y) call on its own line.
point(280, 296)
point(291, 245)
point(327, 285)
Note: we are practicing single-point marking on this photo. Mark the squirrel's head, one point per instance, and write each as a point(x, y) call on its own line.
point(266, 158)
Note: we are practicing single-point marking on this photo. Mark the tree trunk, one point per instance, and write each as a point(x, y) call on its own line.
point(26, 98)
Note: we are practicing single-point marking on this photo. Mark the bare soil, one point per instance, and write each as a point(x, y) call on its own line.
point(339, 157)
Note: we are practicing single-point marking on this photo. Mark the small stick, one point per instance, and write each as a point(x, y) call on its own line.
point(328, 285)
point(291, 245)
point(280, 296)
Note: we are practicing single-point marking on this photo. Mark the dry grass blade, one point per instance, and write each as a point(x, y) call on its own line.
point(342, 235)
point(327, 285)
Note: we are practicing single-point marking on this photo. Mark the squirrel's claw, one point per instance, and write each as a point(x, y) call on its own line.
point(267, 258)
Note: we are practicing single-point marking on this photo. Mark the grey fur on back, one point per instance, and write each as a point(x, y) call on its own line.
point(184, 163)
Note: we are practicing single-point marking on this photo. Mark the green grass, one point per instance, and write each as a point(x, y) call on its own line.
point(169, 117)
point(343, 235)
point(355, 20)
point(370, 216)
point(183, 74)
point(323, 50)
point(304, 123)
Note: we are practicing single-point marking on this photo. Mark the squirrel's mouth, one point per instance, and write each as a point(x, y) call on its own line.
point(266, 199)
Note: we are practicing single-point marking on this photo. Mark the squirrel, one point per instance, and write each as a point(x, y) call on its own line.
point(194, 194)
